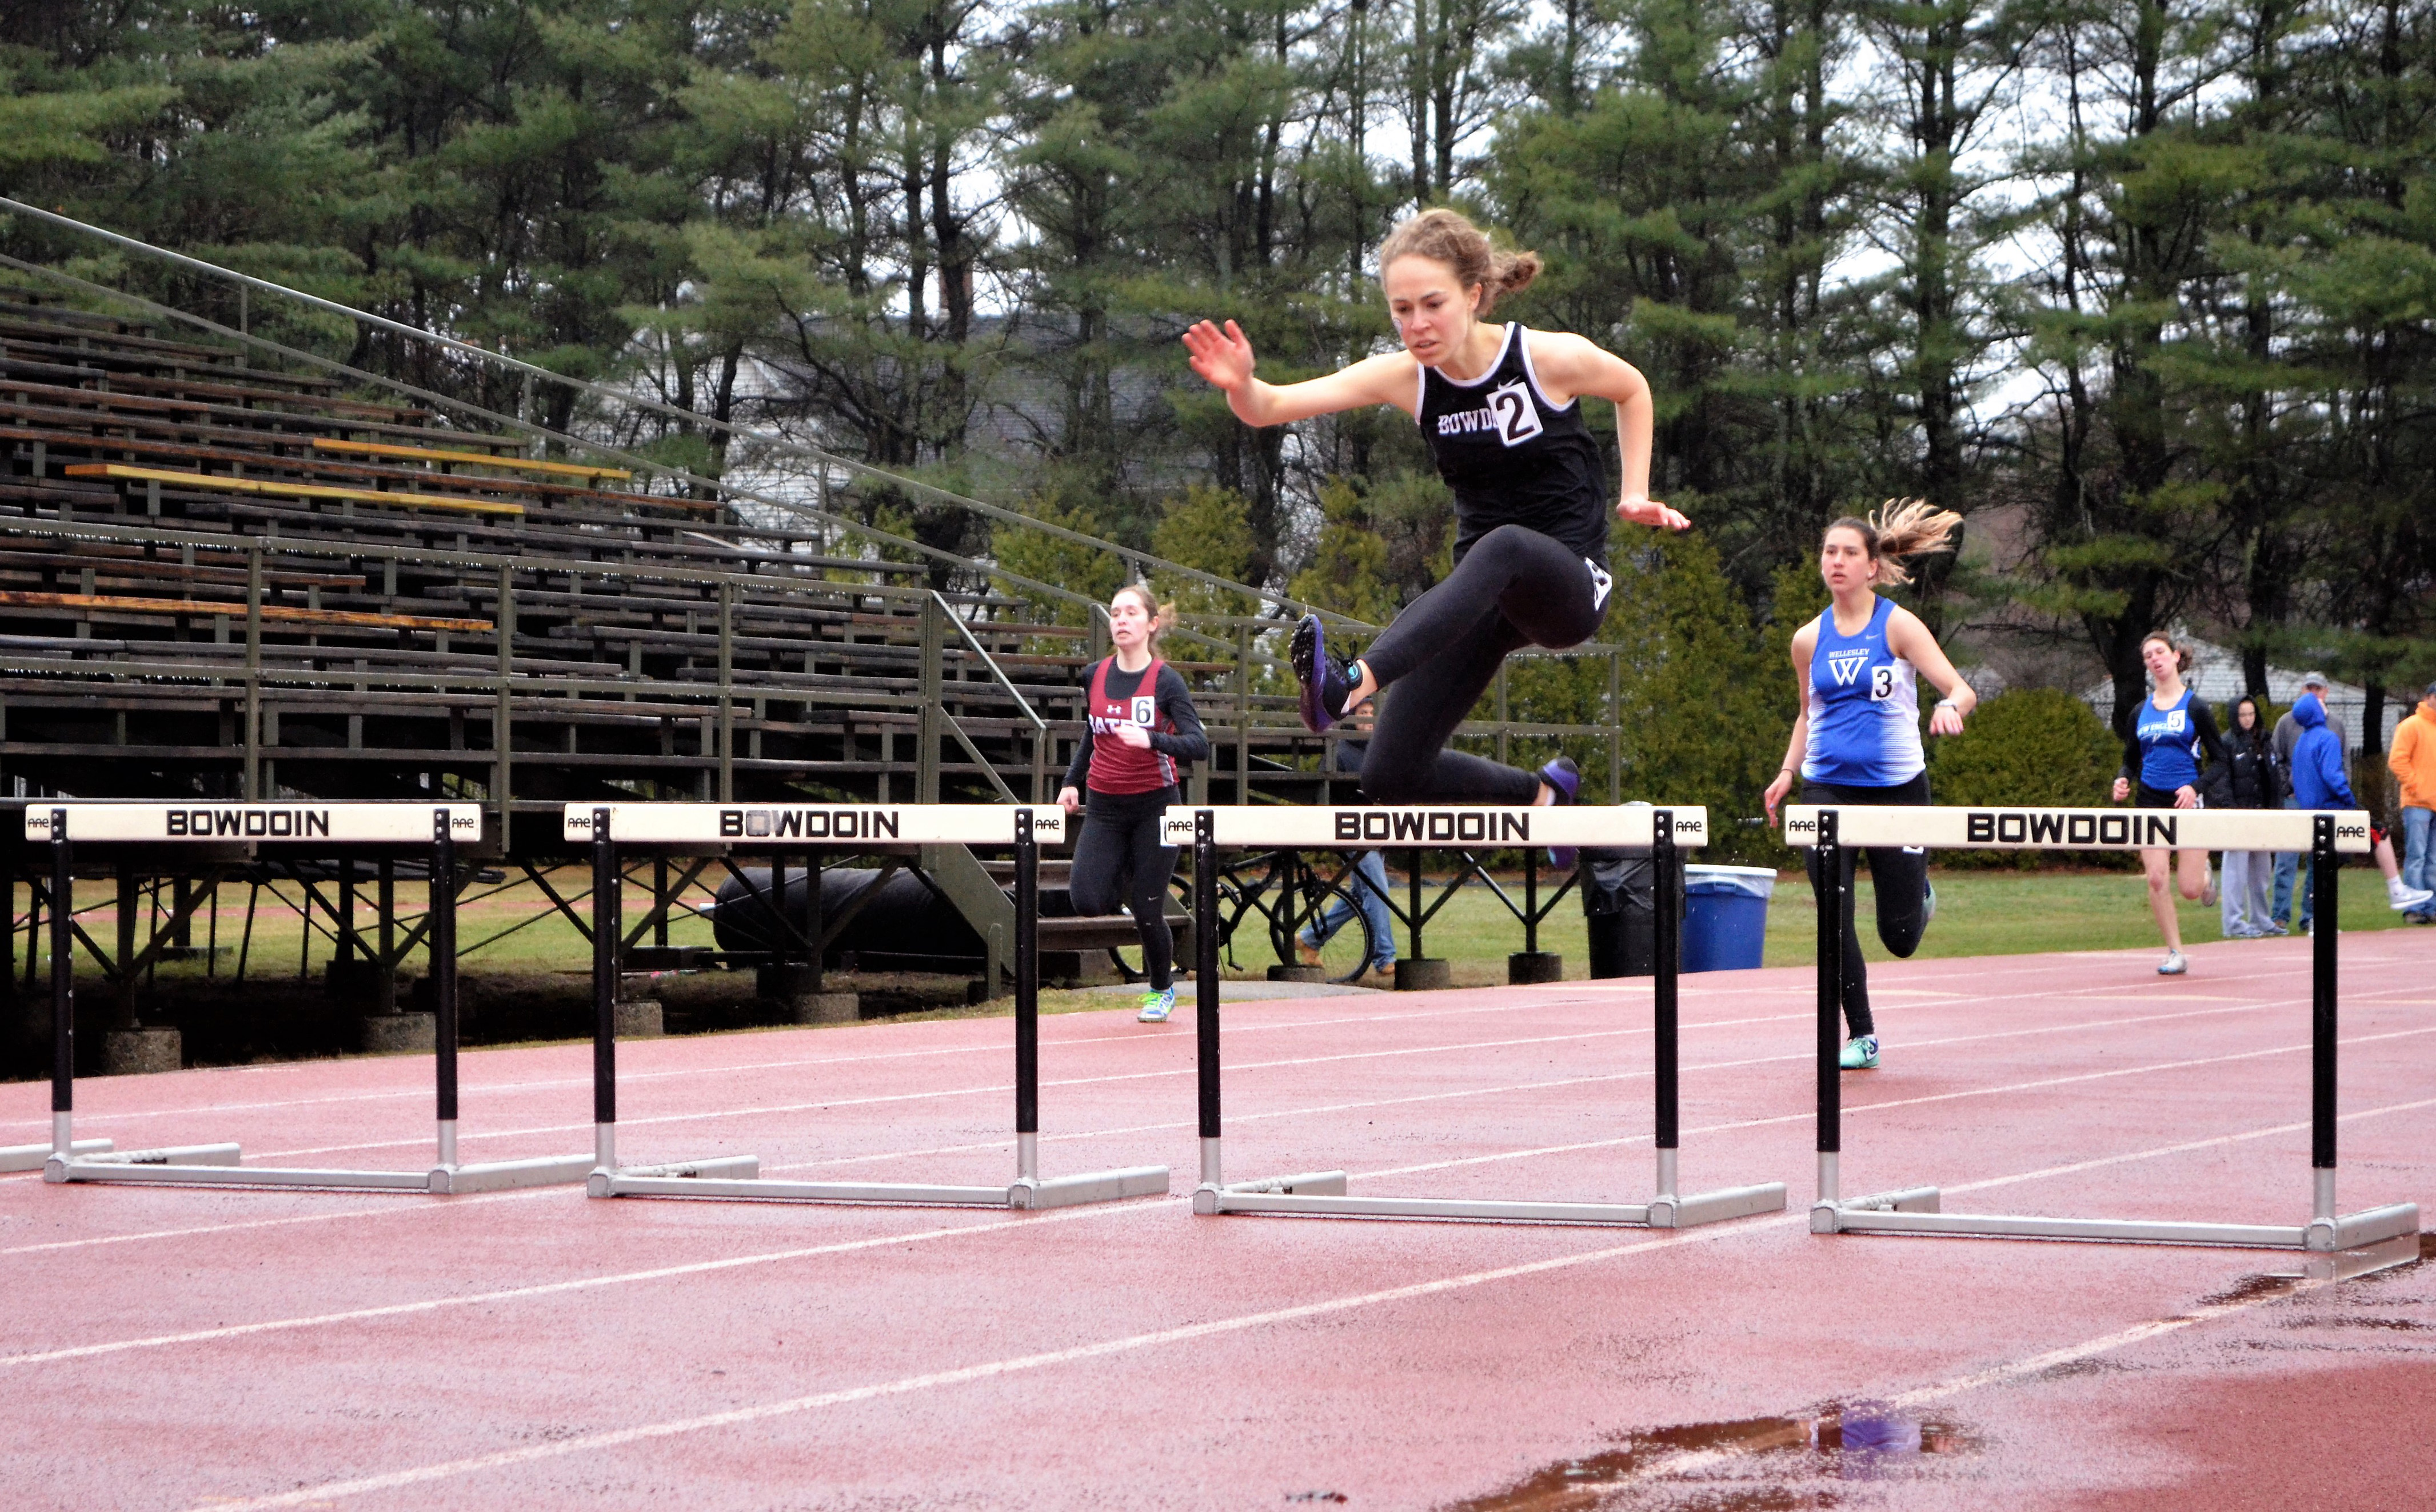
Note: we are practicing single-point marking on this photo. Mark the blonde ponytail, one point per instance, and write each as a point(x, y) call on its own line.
point(1899, 530)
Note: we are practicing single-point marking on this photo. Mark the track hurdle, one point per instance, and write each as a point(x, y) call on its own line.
point(381, 828)
point(1916, 1210)
point(1322, 1193)
point(705, 828)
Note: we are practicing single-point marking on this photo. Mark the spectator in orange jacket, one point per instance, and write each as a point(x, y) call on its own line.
point(2414, 760)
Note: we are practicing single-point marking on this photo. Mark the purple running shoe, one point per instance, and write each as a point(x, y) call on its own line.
point(1565, 780)
point(1326, 680)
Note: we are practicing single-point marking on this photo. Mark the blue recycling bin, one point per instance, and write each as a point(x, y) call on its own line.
point(1725, 916)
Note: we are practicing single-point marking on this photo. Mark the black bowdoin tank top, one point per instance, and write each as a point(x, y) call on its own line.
point(1512, 458)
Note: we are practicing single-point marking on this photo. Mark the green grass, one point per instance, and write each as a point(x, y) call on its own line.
point(1978, 913)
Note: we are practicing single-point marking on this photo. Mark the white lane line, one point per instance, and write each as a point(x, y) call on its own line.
point(387, 1211)
point(1913, 1101)
point(614, 1438)
point(277, 1325)
point(473, 1090)
point(238, 1330)
point(1001, 1088)
point(1595, 991)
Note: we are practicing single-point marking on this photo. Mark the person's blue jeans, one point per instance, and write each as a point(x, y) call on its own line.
point(2287, 876)
point(2419, 849)
point(1368, 885)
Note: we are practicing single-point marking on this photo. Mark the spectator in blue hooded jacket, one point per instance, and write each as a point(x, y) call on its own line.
point(2318, 782)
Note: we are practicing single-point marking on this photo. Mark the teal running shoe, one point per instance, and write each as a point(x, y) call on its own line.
point(1860, 1054)
point(1155, 1006)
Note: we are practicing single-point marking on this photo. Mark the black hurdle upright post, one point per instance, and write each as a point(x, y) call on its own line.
point(1204, 984)
point(62, 991)
point(1027, 998)
point(440, 938)
point(604, 993)
point(813, 981)
point(2322, 864)
point(1665, 968)
point(1830, 890)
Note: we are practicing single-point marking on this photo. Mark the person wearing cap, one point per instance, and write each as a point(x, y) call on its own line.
point(2413, 758)
point(2287, 864)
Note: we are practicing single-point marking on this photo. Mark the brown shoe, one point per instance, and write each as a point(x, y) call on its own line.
point(1307, 954)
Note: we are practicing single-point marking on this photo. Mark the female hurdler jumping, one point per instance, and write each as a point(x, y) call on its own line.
point(1499, 408)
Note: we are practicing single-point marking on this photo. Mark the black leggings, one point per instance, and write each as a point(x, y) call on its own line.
point(1119, 850)
point(1514, 588)
point(1902, 876)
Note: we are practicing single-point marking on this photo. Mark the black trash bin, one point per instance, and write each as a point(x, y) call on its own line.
point(1620, 905)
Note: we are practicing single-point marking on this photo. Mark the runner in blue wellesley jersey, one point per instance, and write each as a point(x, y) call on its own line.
point(2168, 743)
point(1864, 707)
point(1857, 742)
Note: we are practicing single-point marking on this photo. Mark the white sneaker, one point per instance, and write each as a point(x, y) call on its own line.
point(2173, 965)
point(2402, 899)
point(1155, 1006)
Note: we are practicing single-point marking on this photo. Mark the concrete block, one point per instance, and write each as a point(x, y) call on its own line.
point(1524, 967)
point(639, 1020)
point(397, 1033)
point(1424, 974)
point(138, 1052)
point(366, 987)
point(1297, 973)
point(787, 981)
point(824, 1008)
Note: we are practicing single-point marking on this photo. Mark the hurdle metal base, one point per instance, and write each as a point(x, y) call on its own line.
point(218, 1165)
point(1916, 1211)
point(738, 1177)
point(1321, 1193)
point(34, 1157)
point(508, 1176)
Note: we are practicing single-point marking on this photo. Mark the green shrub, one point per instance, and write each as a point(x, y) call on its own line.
point(2032, 746)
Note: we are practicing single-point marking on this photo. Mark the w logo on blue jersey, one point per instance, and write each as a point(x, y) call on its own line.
point(1846, 665)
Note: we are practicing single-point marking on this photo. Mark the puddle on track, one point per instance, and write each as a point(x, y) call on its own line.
point(1788, 1463)
point(1855, 1441)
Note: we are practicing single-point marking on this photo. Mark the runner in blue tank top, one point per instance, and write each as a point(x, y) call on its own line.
point(1500, 409)
point(2161, 769)
point(1856, 740)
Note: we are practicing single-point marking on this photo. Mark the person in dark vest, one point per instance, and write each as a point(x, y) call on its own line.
point(1139, 731)
point(2248, 777)
point(1499, 408)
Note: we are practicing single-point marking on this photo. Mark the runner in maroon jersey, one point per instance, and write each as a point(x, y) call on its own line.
point(1141, 729)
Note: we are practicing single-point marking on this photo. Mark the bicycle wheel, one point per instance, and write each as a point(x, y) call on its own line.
point(1331, 902)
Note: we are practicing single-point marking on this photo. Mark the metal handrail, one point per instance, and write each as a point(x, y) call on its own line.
point(1039, 724)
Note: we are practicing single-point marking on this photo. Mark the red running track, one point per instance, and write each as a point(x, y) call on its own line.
point(178, 1348)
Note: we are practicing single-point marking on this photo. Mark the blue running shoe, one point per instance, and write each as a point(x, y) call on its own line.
point(1155, 1006)
point(1564, 779)
point(1860, 1054)
point(1325, 682)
